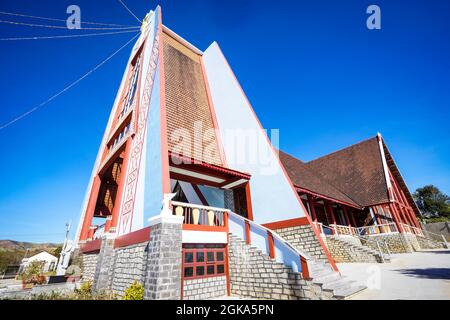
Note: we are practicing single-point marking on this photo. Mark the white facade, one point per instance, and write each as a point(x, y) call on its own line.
point(49, 261)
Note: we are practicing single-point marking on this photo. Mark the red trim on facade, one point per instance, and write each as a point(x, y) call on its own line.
point(286, 223)
point(248, 238)
point(190, 164)
point(89, 213)
point(318, 236)
point(248, 197)
point(330, 211)
point(305, 269)
point(227, 266)
point(122, 183)
point(131, 238)
point(91, 246)
point(311, 207)
point(271, 244)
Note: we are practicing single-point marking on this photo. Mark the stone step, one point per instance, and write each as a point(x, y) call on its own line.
point(340, 284)
point(326, 278)
point(347, 293)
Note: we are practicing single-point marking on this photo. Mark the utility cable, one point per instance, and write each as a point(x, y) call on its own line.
point(66, 88)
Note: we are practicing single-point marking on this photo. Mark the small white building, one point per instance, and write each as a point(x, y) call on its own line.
point(49, 261)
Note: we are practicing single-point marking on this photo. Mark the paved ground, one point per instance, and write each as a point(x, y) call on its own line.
point(421, 275)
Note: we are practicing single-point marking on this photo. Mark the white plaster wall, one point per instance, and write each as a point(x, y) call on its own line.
point(273, 198)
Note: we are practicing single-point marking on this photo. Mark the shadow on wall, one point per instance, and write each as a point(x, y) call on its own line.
point(428, 273)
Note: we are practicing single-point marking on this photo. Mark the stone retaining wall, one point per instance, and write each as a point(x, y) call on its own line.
point(255, 275)
point(89, 266)
point(205, 288)
point(304, 239)
point(349, 252)
point(129, 266)
point(395, 242)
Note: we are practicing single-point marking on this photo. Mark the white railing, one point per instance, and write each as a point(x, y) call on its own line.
point(417, 231)
point(269, 242)
point(200, 215)
point(343, 230)
point(436, 237)
point(406, 228)
point(377, 229)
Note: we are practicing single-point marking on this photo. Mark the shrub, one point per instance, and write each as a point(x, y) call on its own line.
point(134, 292)
point(33, 273)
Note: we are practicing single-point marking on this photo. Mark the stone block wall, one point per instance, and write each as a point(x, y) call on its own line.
point(395, 242)
point(204, 288)
point(89, 261)
point(129, 266)
point(343, 251)
point(255, 275)
point(304, 239)
point(425, 243)
point(163, 274)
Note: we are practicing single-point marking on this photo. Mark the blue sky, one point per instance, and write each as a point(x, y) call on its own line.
point(310, 68)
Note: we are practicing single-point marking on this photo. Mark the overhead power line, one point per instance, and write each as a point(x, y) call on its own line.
point(68, 36)
point(131, 12)
point(64, 20)
point(65, 27)
point(27, 113)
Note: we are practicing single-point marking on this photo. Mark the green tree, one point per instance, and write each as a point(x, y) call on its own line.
point(432, 202)
point(57, 251)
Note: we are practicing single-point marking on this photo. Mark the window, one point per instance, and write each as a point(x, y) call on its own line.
point(129, 96)
point(201, 261)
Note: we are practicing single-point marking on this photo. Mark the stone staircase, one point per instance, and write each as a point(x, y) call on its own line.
point(254, 274)
point(345, 250)
point(327, 279)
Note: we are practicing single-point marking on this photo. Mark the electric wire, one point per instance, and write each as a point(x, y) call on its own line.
point(23, 115)
point(131, 12)
point(67, 36)
point(63, 20)
point(64, 27)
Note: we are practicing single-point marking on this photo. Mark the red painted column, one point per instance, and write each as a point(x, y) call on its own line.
point(248, 239)
point(311, 207)
point(248, 197)
point(344, 209)
point(352, 216)
point(123, 174)
point(271, 245)
point(89, 214)
point(330, 211)
point(396, 217)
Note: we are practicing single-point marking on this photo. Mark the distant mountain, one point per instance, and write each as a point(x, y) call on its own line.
point(12, 245)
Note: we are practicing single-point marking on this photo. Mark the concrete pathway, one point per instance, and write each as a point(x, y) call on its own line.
point(421, 275)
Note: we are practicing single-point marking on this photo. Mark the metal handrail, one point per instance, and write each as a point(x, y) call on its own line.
point(374, 240)
point(440, 235)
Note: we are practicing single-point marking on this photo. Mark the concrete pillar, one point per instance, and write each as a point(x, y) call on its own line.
point(105, 264)
point(163, 275)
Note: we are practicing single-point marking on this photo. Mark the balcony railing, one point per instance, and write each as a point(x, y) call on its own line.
point(199, 217)
point(344, 230)
point(377, 229)
point(412, 230)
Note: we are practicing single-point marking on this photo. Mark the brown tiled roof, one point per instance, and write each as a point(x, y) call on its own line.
point(304, 178)
point(357, 171)
point(187, 103)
